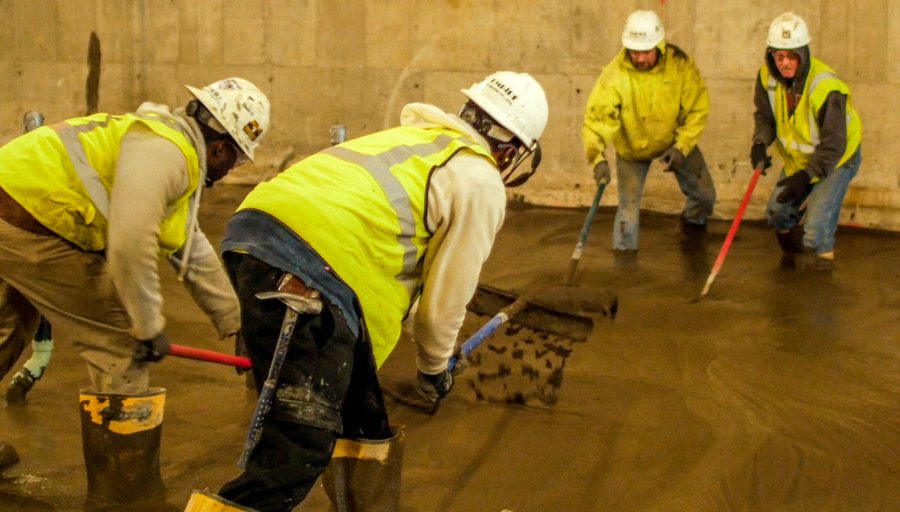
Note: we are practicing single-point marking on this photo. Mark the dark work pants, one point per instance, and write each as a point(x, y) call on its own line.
point(327, 388)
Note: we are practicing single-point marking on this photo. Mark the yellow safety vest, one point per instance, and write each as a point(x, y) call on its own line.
point(63, 175)
point(361, 206)
point(798, 133)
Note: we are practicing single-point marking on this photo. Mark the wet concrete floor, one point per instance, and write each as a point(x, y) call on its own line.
point(779, 391)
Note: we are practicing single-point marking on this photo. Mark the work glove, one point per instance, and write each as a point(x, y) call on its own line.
point(434, 387)
point(794, 187)
point(673, 158)
point(152, 350)
point(759, 158)
point(601, 173)
point(240, 350)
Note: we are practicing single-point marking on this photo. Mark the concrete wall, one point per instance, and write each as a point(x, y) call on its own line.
point(356, 62)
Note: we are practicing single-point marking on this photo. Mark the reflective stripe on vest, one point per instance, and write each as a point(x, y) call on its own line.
point(361, 206)
point(798, 132)
point(811, 116)
point(90, 178)
point(64, 174)
point(379, 166)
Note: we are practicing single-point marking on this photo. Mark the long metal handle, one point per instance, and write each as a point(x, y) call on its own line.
point(585, 231)
point(268, 390)
point(720, 260)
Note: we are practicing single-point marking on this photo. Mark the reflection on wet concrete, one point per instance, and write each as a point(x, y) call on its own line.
point(779, 391)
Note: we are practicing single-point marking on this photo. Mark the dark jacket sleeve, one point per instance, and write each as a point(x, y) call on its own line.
point(832, 120)
point(763, 117)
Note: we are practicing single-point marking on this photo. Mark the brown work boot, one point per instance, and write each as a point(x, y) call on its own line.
point(808, 260)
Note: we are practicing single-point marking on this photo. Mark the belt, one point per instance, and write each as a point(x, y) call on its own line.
point(13, 213)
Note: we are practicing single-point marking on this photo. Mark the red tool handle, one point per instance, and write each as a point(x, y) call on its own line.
point(737, 221)
point(720, 260)
point(209, 356)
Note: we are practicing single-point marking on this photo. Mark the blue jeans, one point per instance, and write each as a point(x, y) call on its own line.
point(822, 207)
point(699, 191)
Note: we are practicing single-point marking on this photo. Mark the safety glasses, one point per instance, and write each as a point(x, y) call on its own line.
point(510, 178)
point(240, 157)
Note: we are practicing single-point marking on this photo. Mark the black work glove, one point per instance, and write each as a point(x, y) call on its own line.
point(434, 387)
point(153, 350)
point(759, 158)
point(601, 173)
point(673, 159)
point(794, 187)
point(240, 350)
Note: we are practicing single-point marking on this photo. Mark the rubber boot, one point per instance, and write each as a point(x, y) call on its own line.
point(791, 243)
point(691, 230)
point(8, 456)
point(364, 475)
point(121, 436)
point(205, 501)
point(625, 258)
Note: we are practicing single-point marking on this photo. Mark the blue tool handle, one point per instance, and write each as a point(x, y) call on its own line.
point(478, 338)
point(582, 238)
point(588, 222)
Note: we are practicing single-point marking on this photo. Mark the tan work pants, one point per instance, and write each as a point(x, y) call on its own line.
point(47, 275)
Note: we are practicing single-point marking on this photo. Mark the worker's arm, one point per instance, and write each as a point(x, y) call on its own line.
point(466, 207)
point(763, 117)
point(602, 118)
point(694, 108)
point(832, 120)
point(210, 287)
point(151, 174)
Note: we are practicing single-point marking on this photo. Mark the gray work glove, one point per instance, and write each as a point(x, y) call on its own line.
point(434, 387)
point(601, 173)
point(759, 158)
point(673, 159)
point(152, 350)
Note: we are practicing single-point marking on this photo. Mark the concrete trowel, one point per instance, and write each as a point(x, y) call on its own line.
point(564, 310)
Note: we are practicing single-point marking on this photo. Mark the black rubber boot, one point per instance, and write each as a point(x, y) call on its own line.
point(791, 243)
point(19, 386)
point(121, 437)
point(625, 258)
point(691, 230)
point(8, 456)
point(364, 475)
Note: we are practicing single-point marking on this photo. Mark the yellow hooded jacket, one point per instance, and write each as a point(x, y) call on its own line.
point(645, 112)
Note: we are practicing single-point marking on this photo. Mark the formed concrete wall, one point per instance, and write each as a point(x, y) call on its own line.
point(356, 62)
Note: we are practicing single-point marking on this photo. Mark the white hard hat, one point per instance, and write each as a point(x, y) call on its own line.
point(240, 107)
point(643, 31)
point(788, 32)
point(516, 101)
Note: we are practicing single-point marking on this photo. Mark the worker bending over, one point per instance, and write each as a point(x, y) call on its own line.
point(364, 228)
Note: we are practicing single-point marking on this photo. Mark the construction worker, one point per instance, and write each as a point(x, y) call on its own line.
point(86, 208)
point(804, 107)
point(650, 102)
point(363, 228)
